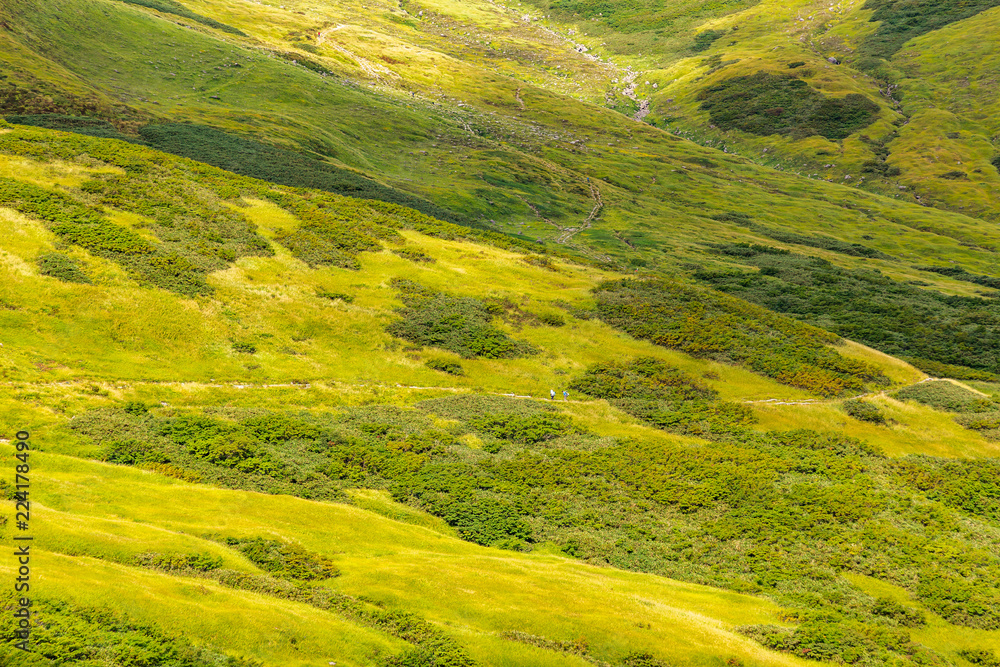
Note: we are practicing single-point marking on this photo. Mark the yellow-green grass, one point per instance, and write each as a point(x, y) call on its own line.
point(938, 634)
point(897, 370)
point(911, 428)
point(380, 502)
point(964, 51)
point(241, 623)
point(473, 592)
point(951, 93)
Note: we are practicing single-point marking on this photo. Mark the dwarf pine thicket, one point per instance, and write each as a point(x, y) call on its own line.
point(867, 306)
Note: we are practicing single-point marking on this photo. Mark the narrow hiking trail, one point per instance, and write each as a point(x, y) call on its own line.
point(829, 401)
point(88, 387)
point(570, 232)
point(96, 387)
point(566, 234)
point(375, 71)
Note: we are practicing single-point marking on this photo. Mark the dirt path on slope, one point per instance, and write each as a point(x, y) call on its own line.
point(570, 232)
point(373, 70)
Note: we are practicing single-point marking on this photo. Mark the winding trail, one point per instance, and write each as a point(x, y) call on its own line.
point(829, 401)
point(570, 232)
point(372, 70)
point(125, 385)
point(517, 96)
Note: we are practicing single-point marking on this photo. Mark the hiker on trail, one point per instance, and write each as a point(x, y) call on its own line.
point(552, 394)
point(565, 395)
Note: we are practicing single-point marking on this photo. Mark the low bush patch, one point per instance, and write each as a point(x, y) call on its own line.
point(462, 325)
point(864, 411)
point(62, 267)
point(765, 103)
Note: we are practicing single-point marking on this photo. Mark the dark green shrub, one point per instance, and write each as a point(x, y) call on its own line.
point(277, 165)
point(541, 261)
point(960, 601)
point(945, 395)
point(958, 273)
point(318, 249)
point(285, 560)
point(987, 422)
point(996, 162)
point(92, 127)
point(132, 452)
point(75, 223)
point(970, 486)
point(869, 307)
point(838, 640)
point(202, 562)
point(135, 408)
point(643, 378)
point(244, 347)
point(824, 242)
point(414, 255)
point(879, 167)
point(334, 296)
point(276, 429)
point(457, 324)
point(984, 657)
point(663, 396)
point(796, 64)
point(552, 319)
point(63, 267)
point(765, 103)
point(308, 63)
point(905, 616)
point(222, 444)
point(445, 366)
point(903, 20)
point(704, 40)
point(619, 503)
point(863, 411)
point(76, 634)
point(643, 659)
point(709, 324)
point(525, 430)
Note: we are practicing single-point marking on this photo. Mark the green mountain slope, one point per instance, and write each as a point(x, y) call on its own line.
point(287, 374)
point(512, 167)
point(286, 288)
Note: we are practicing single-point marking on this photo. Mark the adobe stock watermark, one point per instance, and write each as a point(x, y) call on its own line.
point(22, 540)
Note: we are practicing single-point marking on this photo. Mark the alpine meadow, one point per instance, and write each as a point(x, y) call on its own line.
point(475, 333)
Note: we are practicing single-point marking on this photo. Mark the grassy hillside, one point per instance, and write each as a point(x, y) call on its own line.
point(541, 164)
point(286, 290)
point(289, 372)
